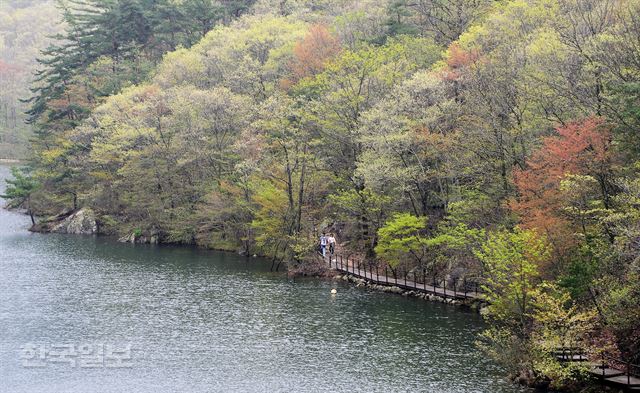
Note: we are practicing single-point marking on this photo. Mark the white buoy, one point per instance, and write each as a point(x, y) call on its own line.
point(334, 291)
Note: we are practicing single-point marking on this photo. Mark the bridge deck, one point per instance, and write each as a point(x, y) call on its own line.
point(616, 374)
point(381, 279)
point(623, 381)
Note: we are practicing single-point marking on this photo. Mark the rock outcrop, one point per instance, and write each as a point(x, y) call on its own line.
point(142, 238)
point(79, 222)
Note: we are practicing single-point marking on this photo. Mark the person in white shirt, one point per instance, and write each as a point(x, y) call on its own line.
point(332, 244)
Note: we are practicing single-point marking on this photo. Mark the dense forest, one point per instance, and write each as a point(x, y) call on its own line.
point(486, 139)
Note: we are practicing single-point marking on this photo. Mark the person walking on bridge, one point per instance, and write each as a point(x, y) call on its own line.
point(332, 244)
point(323, 245)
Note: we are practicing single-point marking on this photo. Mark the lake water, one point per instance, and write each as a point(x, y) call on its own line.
point(204, 321)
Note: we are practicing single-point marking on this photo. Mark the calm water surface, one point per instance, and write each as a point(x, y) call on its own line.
point(206, 321)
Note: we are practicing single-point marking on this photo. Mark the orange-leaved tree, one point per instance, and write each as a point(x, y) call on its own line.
point(311, 54)
point(457, 58)
point(579, 148)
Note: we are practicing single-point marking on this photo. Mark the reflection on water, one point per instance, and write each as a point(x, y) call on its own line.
point(206, 321)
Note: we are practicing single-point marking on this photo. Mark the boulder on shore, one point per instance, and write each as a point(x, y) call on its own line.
point(79, 222)
point(142, 237)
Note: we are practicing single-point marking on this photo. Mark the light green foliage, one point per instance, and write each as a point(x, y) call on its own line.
point(446, 20)
point(182, 66)
point(530, 319)
point(19, 190)
point(338, 98)
point(363, 21)
point(410, 144)
point(270, 220)
point(559, 322)
point(511, 260)
point(554, 322)
point(20, 187)
point(583, 199)
point(250, 57)
point(618, 278)
point(452, 248)
point(275, 235)
point(181, 138)
point(358, 78)
point(402, 239)
point(224, 217)
point(455, 237)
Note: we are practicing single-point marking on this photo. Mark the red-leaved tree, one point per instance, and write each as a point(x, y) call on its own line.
point(579, 148)
point(311, 54)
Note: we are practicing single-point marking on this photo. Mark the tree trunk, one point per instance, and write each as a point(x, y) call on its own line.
point(30, 211)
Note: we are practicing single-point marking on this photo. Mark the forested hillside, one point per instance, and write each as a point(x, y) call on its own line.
point(470, 138)
point(25, 29)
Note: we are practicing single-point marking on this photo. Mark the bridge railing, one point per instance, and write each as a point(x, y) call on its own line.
point(629, 369)
point(421, 281)
point(623, 368)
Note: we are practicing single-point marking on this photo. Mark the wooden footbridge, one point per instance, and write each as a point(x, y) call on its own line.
point(610, 371)
point(412, 280)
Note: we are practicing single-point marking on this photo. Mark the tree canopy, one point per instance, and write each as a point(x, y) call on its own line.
point(489, 140)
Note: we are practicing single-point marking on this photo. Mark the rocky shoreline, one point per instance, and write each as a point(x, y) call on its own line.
point(85, 221)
